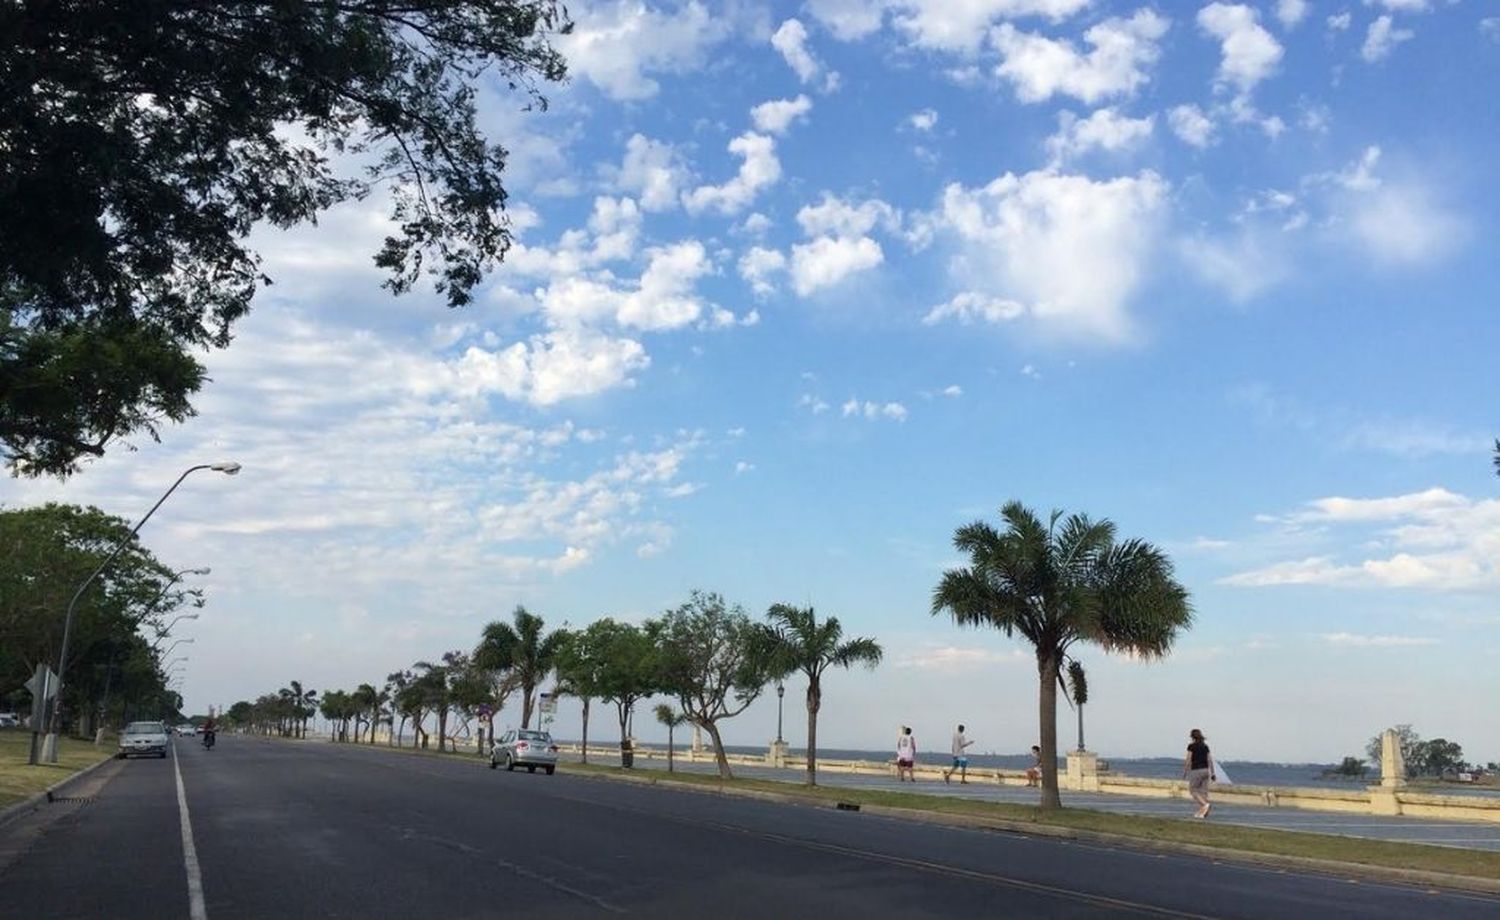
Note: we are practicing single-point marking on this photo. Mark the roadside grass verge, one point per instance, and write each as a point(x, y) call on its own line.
point(19, 779)
point(1295, 844)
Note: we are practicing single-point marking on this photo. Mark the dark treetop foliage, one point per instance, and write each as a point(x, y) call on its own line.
point(141, 141)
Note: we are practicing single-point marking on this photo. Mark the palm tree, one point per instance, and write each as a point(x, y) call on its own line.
point(302, 705)
point(1059, 583)
point(1078, 691)
point(671, 718)
point(801, 643)
point(523, 650)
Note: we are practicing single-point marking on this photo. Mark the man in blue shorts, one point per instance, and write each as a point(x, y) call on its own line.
point(960, 758)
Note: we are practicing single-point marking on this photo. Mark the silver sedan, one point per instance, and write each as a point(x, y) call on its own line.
point(525, 748)
point(143, 738)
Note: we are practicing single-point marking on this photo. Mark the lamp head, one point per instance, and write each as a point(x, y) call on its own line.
point(228, 467)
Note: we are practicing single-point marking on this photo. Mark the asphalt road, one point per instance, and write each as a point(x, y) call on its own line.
point(323, 830)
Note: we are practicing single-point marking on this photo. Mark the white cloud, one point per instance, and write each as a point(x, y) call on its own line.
point(550, 367)
point(959, 25)
point(1029, 370)
point(1244, 266)
point(741, 467)
point(1340, 22)
point(654, 171)
point(953, 391)
point(924, 120)
point(1353, 640)
point(1403, 6)
point(759, 170)
point(758, 266)
point(953, 659)
point(871, 411)
point(1070, 249)
point(971, 307)
point(1400, 224)
point(791, 40)
point(1291, 12)
point(835, 217)
point(1433, 540)
point(757, 224)
point(1192, 126)
point(1250, 53)
point(1121, 51)
point(1382, 38)
point(813, 404)
point(1106, 129)
point(828, 260)
point(775, 116)
point(849, 20)
point(1490, 27)
point(614, 45)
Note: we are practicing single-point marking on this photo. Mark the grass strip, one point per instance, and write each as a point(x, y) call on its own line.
point(18, 779)
point(1296, 844)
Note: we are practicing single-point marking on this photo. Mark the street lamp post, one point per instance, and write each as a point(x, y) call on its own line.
point(229, 468)
point(109, 673)
point(780, 696)
point(177, 643)
point(175, 620)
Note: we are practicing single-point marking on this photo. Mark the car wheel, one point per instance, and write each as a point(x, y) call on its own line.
point(510, 765)
point(120, 756)
point(531, 769)
point(162, 755)
point(550, 769)
point(493, 765)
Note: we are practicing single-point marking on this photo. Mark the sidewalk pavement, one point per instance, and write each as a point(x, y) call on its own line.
point(1463, 834)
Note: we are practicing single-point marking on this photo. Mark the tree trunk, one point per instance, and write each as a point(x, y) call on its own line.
point(399, 735)
point(627, 757)
point(670, 730)
point(585, 749)
point(713, 732)
point(1047, 668)
point(526, 702)
point(814, 703)
point(1080, 728)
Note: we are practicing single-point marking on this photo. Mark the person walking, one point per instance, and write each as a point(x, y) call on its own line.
point(1198, 770)
point(960, 758)
point(906, 755)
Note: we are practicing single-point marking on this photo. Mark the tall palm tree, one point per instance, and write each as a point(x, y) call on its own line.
point(671, 718)
point(801, 643)
point(1058, 583)
point(524, 650)
point(302, 703)
point(1078, 691)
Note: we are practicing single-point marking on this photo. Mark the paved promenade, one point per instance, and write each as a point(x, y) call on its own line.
point(1467, 834)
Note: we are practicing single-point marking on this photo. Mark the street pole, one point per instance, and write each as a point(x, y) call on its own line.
point(55, 722)
point(109, 673)
point(780, 698)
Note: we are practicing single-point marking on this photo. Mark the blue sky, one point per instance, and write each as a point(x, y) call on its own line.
point(801, 287)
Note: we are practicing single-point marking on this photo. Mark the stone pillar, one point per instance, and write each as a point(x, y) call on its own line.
point(697, 740)
point(776, 756)
point(1083, 771)
point(1383, 799)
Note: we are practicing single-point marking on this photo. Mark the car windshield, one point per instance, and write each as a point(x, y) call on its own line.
point(534, 736)
point(144, 728)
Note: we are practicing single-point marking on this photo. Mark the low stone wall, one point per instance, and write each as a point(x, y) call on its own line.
point(1082, 776)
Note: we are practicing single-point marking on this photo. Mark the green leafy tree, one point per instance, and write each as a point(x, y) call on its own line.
point(302, 703)
point(1440, 756)
point(522, 649)
point(240, 714)
point(1058, 583)
point(617, 663)
point(143, 141)
point(1351, 767)
point(671, 718)
point(578, 668)
point(715, 660)
point(798, 642)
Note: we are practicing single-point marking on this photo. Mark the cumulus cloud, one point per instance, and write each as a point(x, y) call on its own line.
point(828, 260)
point(1250, 53)
point(1191, 125)
point(953, 391)
point(654, 171)
point(972, 307)
point(1398, 222)
point(1070, 250)
point(834, 216)
point(1291, 12)
point(924, 120)
point(615, 45)
point(1382, 38)
point(1121, 51)
point(1355, 640)
point(959, 25)
point(791, 40)
point(872, 411)
point(759, 266)
point(1105, 129)
point(1434, 540)
point(775, 116)
point(759, 169)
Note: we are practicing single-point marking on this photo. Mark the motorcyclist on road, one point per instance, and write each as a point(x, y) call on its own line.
point(210, 730)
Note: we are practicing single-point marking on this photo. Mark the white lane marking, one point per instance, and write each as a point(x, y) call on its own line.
point(196, 910)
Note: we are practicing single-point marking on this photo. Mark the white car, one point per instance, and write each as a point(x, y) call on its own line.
point(525, 748)
point(9, 720)
point(143, 738)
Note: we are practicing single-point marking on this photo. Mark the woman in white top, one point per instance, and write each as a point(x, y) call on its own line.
point(906, 755)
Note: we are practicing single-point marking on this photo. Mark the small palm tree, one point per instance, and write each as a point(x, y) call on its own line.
point(671, 718)
point(801, 643)
point(522, 650)
point(1078, 691)
point(1058, 583)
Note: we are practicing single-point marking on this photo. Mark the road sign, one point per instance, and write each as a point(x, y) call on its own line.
point(547, 704)
point(43, 684)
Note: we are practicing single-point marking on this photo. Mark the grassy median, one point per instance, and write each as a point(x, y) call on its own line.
point(19, 779)
point(1360, 851)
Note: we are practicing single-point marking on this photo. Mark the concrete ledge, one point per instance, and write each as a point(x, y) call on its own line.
point(28, 805)
point(976, 822)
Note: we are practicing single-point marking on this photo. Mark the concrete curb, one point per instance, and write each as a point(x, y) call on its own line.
point(1359, 871)
point(28, 805)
